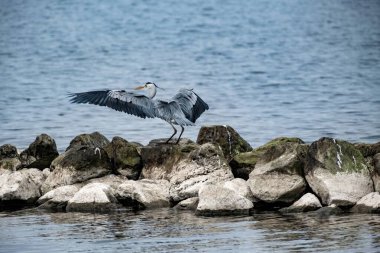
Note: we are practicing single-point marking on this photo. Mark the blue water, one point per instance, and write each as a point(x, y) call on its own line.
point(267, 68)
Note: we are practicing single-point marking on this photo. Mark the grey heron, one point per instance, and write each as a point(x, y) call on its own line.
point(183, 109)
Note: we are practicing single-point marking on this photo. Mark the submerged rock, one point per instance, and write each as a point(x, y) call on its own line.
point(40, 153)
point(370, 203)
point(226, 137)
point(188, 204)
point(77, 165)
point(337, 172)
point(125, 158)
point(93, 140)
point(216, 200)
point(186, 166)
point(9, 158)
point(144, 193)
point(19, 188)
point(242, 164)
point(278, 174)
point(329, 210)
point(94, 197)
point(308, 202)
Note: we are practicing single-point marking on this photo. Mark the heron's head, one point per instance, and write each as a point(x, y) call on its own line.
point(147, 85)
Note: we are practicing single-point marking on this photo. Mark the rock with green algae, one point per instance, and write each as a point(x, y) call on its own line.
point(40, 153)
point(93, 140)
point(187, 166)
point(368, 149)
point(375, 165)
point(77, 165)
point(276, 177)
point(9, 158)
point(337, 172)
point(242, 164)
point(125, 157)
point(226, 137)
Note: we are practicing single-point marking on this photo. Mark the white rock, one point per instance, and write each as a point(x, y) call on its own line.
point(144, 193)
point(240, 186)
point(215, 200)
point(308, 202)
point(370, 203)
point(94, 197)
point(188, 204)
point(58, 198)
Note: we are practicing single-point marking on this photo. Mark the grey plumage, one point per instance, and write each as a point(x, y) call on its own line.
point(183, 109)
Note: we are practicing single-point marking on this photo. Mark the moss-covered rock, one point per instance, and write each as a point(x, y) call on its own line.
point(226, 137)
point(337, 172)
point(93, 140)
point(9, 158)
point(125, 157)
point(242, 164)
point(368, 149)
point(40, 153)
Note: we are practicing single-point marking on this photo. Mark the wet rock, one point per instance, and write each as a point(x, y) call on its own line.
point(94, 197)
point(77, 165)
point(370, 203)
point(124, 157)
point(368, 149)
point(186, 166)
point(58, 198)
point(19, 188)
point(9, 158)
point(216, 200)
point(376, 171)
point(329, 210)
point(144, 193)
point(40, 153)
point(278, 174)
point(188, 204)
point(93, 140)
point(240, 186)
point(337, 172)
point(242, 164)
point(308, 202)
point(226, 137)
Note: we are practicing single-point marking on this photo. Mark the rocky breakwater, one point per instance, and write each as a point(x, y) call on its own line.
point(220, 174)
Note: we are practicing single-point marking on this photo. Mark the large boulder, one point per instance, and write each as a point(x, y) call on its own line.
point(125, 158)
point(93, 140)
point(240, 186)
point(216, 200)
point(278, 173)
point(308, 202)
point(94, 197)
point(370, 203)
point(19, 188)
point(77, 165)
point(9, 158)
point(58, 198)
point(144, 193)
point(337, 172)
point(186, 166)
point(242, 164)
point(40, 153)
point(226, 137)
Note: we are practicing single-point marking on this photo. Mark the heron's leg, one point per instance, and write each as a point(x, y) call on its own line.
point(179, 137)
point(175, 131)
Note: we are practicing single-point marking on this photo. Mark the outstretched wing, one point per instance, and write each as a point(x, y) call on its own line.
point(119, 100)
point(191, 104)
point(171, 112)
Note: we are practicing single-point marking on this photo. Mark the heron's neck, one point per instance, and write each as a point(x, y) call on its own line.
point(152, 92)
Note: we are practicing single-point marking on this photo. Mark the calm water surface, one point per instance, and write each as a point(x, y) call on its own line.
point(267, 68)
point(168, 231)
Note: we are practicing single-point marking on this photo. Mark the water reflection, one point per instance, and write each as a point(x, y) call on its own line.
point(167, 230)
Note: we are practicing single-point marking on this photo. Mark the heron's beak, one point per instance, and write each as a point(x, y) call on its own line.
point(140, 88)
point(160, 88)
